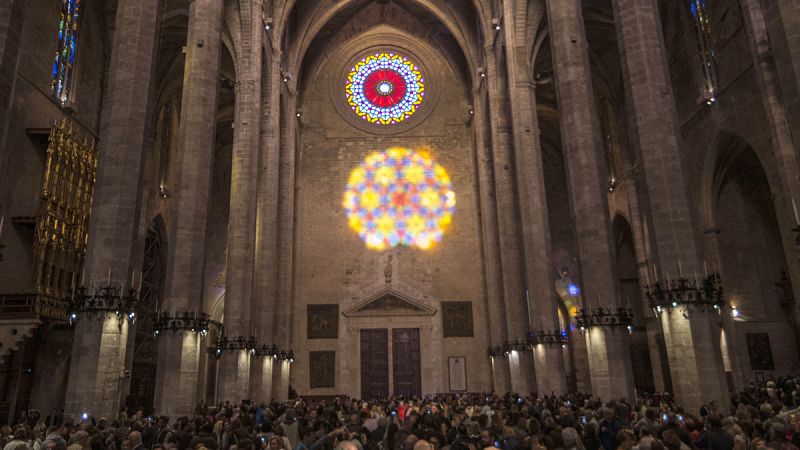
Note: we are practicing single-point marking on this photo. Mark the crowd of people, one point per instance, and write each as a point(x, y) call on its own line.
point(761, 417)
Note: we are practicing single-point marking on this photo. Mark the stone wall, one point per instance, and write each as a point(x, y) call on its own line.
point(333, 265)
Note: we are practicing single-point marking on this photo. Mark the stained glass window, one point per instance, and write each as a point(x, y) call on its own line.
point(385, 88)
point(399, 197)
point(701, 20)
point(64, 64)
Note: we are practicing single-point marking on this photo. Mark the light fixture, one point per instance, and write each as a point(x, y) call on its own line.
point(701, 295)
point(184, 321)
point(735, 312)
point(496, 24)
point(104, 302)
point(605, 318)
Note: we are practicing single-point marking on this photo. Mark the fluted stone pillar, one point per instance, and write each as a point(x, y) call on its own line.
point(281, 370)
point(692, 343)
point(779, 39)
point(491, 249)
point(261, 378)
point(265, 282)
point(286, 202)
point(514, 297)
point(609, 361)
point(98, 352)
point(177, 376)
point(538, 276)
point(235, 371)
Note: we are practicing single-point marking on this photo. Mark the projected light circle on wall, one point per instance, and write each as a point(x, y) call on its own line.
point(385, 88)
point(399, 197)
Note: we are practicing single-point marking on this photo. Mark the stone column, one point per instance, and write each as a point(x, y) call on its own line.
point(694, 356)
point(779, 42)
point(98, 352)
point(176, 380)
point(264, 295)
point(12, 18)
point(280, 379)
point(494, 280)
point(538, 276)
point(283, 316)
point(261, 378)
point(608, 350)
point(514, 296)
point(642, 250)
point(735, 362)
point(239, 310)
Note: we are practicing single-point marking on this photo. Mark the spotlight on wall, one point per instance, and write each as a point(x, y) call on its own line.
point(496, 24)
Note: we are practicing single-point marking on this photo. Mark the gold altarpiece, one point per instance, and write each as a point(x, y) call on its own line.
point(62, 224)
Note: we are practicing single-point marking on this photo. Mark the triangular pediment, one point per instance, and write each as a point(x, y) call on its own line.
point(389, 302)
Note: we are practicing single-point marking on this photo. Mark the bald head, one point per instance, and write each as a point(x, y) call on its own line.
point(422, 444)
point(346, 445)
point(135, 438)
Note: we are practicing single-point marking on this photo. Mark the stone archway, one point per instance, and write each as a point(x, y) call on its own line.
point(747, 243)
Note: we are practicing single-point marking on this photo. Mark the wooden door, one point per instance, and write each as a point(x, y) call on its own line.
point(406, 362)
point(374, 364)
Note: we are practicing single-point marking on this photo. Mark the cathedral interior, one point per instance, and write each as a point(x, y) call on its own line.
point(211, 200)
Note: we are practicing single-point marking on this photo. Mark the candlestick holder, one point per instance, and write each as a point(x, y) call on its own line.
point(548, 337)
point(240, 343)
point(533, 338)
point(105, 302)
point(605, 318)
point(184, 321)
point(700, 296)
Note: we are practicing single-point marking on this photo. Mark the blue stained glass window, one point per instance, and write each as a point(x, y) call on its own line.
point(701, 22)
point(64, 64)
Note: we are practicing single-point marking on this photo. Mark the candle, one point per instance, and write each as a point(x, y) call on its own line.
point(647, 275)
point(109, 278)
point(705, 268)
point(83, 273)
point(655, 272)
point(794, 207)
point(695, 279)
point(668, 284)
point(3, 219)
point(680, 269)
point(141, 275)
